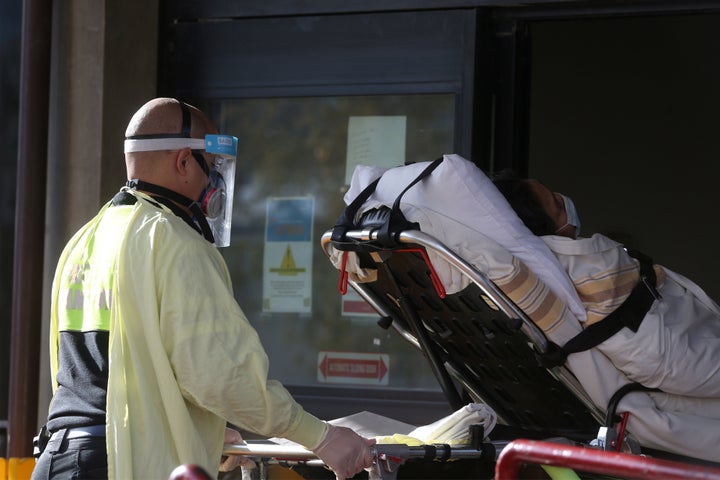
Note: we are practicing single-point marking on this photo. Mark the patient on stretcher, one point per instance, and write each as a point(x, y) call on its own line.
point(673, 343)
point(566, 284)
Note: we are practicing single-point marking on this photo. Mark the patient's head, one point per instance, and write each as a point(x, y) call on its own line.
point(541, 210)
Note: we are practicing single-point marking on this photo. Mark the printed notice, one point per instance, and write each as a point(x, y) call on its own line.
point(287, 260)
point(375, 140)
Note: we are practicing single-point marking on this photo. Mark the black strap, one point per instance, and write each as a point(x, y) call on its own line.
point(394, 223)
point(186, 120)
point(346, 221)
point(630, 314)
point(610, 415)
point(170, 199)
point(185, 129)
point(397, 222)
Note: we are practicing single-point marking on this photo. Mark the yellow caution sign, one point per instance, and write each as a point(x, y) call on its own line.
point(287, 264)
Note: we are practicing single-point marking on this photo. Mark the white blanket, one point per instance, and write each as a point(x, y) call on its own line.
point(460, 206)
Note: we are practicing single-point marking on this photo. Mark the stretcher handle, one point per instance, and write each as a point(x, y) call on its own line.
point(489, 450)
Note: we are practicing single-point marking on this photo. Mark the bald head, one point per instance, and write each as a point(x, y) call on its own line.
point(164, 115)
point(166, 168)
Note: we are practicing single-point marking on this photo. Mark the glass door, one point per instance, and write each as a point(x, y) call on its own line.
point(295, 160)
point(310, 96)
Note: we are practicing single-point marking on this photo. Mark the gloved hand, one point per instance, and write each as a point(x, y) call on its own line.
point(231, 462)
point(344, 451)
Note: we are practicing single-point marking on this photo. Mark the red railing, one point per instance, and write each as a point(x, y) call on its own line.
point(592, 460)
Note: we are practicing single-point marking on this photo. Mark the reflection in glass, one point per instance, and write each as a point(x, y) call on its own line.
point(297, 147)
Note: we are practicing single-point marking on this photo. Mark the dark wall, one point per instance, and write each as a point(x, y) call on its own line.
point(624, 120)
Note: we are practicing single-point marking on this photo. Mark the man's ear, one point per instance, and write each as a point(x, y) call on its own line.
point(181, 161)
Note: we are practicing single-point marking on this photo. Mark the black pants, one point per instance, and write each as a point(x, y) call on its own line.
point(75, 458)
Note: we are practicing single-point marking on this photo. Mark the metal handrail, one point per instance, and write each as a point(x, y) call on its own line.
point(591, 460)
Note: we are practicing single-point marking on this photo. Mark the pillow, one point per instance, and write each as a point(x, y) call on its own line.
point(458, 204)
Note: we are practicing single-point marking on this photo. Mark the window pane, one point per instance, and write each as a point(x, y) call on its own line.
point(295, 149)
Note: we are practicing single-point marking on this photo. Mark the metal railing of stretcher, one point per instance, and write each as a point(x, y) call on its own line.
point(509, 460)
point(574, 411)
point(503, 346)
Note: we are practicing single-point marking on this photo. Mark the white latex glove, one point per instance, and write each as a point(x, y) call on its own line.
point(344, 451)
point(231, 462)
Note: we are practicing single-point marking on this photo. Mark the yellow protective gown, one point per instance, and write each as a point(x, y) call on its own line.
point(183, 357)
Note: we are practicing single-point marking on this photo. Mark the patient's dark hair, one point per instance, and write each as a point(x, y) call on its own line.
point(522, 199)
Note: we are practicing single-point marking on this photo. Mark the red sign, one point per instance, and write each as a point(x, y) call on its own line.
point(342, 367)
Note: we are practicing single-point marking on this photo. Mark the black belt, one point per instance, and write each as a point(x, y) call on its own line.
point(45, 439)
point(81, 432)
point(630, 314)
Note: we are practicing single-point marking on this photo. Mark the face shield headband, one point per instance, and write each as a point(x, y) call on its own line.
point(216, 200)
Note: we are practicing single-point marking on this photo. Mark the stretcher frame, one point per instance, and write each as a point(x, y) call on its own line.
point(427, 317)
point(481, 347)
point(509, 461)
point(564, 440)
point(409, 297)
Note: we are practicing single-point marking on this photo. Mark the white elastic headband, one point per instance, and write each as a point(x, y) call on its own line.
point(157, 144)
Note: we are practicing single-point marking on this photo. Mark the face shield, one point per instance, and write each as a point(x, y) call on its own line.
point(218, 163)
point(216, 200)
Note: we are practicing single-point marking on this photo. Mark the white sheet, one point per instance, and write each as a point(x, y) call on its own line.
point(458, 202)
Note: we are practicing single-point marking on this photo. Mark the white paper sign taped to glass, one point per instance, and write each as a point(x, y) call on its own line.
point(287, 261)
point(376, 140)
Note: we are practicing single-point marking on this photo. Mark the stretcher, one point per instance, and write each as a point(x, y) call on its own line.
point(483, 348)
point(507, 464)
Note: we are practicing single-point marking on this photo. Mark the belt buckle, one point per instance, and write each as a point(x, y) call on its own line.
point(40, 441)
